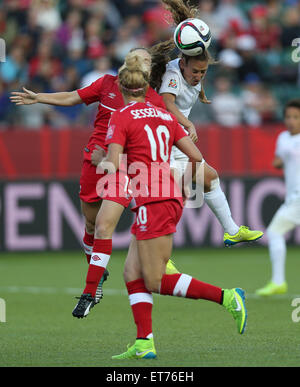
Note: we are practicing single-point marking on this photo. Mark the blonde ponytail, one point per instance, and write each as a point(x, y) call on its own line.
point(134, 76)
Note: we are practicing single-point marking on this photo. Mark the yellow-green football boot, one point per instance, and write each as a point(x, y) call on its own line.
point(234, 302)
point(141, 349)
point(243, 235)
point(170, 268)
point(271, 289)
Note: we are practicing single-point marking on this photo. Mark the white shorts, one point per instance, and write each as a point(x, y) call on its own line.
point(286, 218)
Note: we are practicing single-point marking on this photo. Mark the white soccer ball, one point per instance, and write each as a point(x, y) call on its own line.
point(192, 37)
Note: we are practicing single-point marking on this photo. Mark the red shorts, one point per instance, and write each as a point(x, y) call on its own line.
point(95, 186)
point(156, 219)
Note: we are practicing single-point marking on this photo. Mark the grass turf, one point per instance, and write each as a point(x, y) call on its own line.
point(38, 289)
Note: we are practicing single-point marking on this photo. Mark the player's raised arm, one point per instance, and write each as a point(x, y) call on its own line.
point(28, 97)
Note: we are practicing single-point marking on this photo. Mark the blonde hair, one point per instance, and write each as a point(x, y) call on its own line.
point(134, 76)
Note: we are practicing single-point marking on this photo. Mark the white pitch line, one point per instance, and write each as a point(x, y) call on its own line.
point(111, 292)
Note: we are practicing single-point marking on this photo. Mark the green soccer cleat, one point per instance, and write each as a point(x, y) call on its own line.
point(141, 349)
point(170, 268)
point(271, 289)
point(234, 302)
point(243, 235)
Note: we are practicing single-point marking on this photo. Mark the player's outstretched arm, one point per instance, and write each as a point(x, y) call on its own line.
point(28, 97)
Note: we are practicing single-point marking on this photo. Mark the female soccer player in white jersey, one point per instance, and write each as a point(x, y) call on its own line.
point(287, 217)
point(181, 87)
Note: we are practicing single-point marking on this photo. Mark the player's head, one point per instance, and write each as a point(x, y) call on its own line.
point(292, 116)
point(194, 68)
point(144, 54)
point(134, 76)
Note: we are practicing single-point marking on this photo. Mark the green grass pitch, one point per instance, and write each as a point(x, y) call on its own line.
point(39, 290)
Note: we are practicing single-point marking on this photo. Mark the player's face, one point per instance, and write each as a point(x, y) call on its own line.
point(292, 119)
point(193, 71)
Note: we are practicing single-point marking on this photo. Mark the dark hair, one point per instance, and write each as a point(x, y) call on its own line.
point(160, 56)
point(205, 56)
point(179, 10)
point(295, 103)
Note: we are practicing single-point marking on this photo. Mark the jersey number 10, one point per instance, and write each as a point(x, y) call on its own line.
point(163, 142)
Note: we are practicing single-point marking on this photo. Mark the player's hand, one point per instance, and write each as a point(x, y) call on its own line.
point(26, 98)
point(202, 96)
point(192, 132)
point(97, 155)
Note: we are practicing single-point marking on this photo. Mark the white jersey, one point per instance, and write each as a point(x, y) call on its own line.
point(173, 82)
point(288, 149)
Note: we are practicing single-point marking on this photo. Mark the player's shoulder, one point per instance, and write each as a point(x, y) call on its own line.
point(173, 66)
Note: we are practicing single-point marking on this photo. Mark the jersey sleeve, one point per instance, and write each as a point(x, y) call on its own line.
point(116, 132)
point(170, 83)
point(91, 93)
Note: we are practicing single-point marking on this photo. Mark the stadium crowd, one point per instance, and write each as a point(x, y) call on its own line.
point(64, 45)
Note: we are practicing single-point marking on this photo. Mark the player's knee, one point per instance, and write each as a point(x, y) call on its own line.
point(103, 229)
point(89, 226)
point(211, 179)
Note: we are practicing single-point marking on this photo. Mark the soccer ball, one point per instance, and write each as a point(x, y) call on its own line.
point(192, 37)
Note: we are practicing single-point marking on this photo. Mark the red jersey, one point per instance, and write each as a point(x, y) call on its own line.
point(105, 90)
point(147, 134)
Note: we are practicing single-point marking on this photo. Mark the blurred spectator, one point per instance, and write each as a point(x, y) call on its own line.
point(261, 106)
point(246, 47)
point(47, 14)
point(290, 26)
point(14, 69)
point(93, 30)
point(102, 66)
point(229, 11)
point(227, 107)
point(207, 12)
point(266, 34)
point(44, 65)
point(123, 44)
point(70, 33)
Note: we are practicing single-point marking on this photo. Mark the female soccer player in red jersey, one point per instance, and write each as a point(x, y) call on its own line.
point(146, 134)
point(105, 91)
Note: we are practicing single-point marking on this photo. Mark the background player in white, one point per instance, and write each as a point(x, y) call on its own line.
point(287, 217)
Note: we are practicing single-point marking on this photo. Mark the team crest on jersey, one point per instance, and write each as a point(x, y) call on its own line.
point(110, 131)
point(173, 83)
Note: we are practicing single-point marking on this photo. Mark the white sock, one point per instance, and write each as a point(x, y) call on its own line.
point(217, 202)
point(277, 250)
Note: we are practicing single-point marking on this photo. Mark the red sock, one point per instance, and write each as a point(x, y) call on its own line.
point(102, 249)
point(88, 241)
point(141, 302)
point(183, 285)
